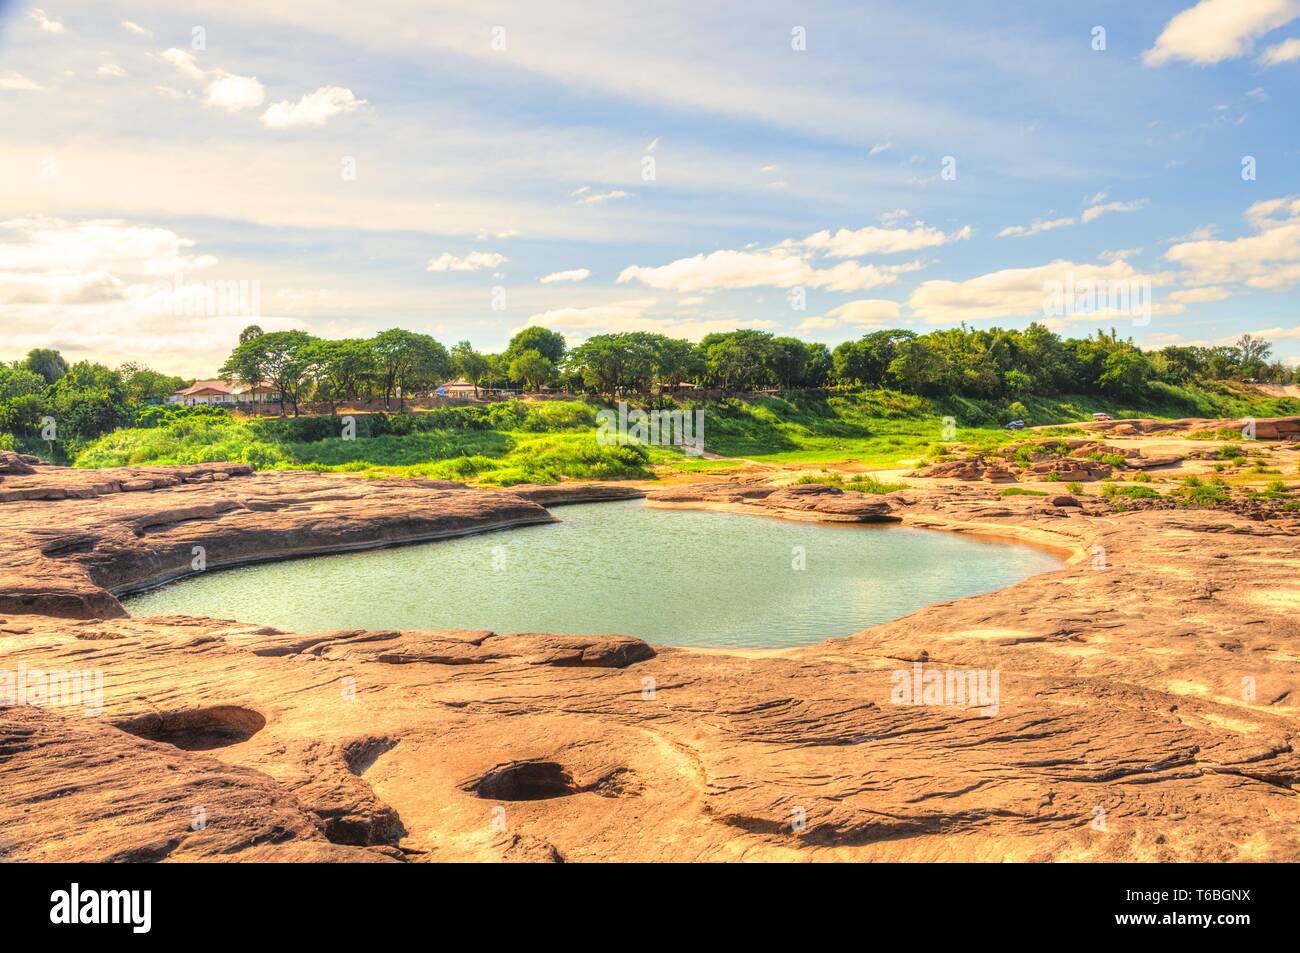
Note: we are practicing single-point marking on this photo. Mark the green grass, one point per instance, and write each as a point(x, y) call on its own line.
point(1022, 491)
point(513, 442)
point(493, 457)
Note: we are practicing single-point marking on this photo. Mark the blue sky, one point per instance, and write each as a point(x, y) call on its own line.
point(496, 144)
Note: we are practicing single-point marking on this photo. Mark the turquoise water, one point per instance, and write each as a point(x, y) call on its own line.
point(674, 577)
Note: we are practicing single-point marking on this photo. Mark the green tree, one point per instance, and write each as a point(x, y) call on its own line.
point(46, 362)
point(469, 363)
point(278, 359)
point(144, 385)
point(550, 344)
point(406, 361)
point(533, 368)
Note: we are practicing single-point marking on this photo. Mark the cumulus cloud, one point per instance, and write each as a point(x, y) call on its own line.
point(633, 315)
point(575, 274)
point(880, 147)
point(866, 311)
point(881, 241)
point(17, 81)
point(1013, 292)
point(1217, 30)
point(773, 268)
point(1200, 295)
point(474, 261)
point(54, 246)
point(1095, 212)
point(1036, 227)
point(44, 22)
point(235, 93)
point(816, 323)
point(587, 197)
point(137, 29)
point(314, 109)
point(1268, 259)
point(1287, 51)
point(110, 69)
point(184, 61)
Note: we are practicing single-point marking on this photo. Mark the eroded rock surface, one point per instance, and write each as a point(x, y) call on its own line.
point(1145, 703)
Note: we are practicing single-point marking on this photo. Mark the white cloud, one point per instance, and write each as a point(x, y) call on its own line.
point(1269, 259)
point(314, 109)
point(595, 198)
point(474, 261)
point(58, 246)
point(881, 241)
point(1118, 254)
point(110, 69)
point(633, 315)
point(890, 219)
point(1200, 295)
point(773, 268)
point(235, 93)
point(184, 61)
point(45, 23)
point(136, 28)
point(17, 81)
point(880, 147)
point(1096, 211)
point(1012, 292)
point(1217, 30)
point(1288, 51)
point(652, 145)
point(575, 274)
point(1036, 227)
point(816, 323)
point(866, 311)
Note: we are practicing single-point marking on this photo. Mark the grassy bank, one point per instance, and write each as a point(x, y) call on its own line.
point(514, 442)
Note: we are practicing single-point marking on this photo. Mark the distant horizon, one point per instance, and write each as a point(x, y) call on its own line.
point(472, 170)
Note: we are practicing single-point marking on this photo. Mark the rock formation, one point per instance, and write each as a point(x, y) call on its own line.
point(1137, 704)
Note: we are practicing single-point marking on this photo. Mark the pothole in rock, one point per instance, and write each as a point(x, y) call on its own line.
point(541, 780)
point(197, 729)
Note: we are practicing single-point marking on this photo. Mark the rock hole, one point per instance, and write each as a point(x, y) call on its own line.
point(525, 781)
point(197, 729)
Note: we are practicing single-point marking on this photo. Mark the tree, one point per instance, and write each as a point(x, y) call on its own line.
point(278, 359)
point(740, 360)
point(337, 369)
point(406, 361)
point(550, 344)
point(533, 368)
point(46, 362)
point(469, 363)
point(87, 402)
point(143, 384)
point(1254, 355)
point(250, 332)
point(604, 361)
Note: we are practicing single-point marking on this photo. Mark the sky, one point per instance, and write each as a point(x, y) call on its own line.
point(469, 169)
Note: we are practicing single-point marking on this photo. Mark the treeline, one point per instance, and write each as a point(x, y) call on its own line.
point(86, 400)
point(83, 400)
point(992, 364)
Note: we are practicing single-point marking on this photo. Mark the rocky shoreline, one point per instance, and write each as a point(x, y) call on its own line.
point(1146, 708)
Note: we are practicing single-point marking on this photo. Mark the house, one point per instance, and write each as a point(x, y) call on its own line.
point(458, 390)
point(217, 392)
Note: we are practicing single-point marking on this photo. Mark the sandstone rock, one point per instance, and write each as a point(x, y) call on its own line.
point(1065, 500)
point(13, 463)
point(807, 500)
point(1118, 688)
